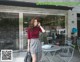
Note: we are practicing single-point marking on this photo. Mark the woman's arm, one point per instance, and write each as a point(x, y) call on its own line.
point(28, 47)
point(28, 37)
point(42, 29)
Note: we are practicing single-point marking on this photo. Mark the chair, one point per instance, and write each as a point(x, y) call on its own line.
point(66, 53)
point(78, 44)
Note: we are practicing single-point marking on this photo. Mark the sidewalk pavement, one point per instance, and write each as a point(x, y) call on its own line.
point(76, 57)
point(19, 57)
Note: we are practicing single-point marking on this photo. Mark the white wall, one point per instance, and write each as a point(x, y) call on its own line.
point(76, 9)
point(72, 16)
point(30, 10)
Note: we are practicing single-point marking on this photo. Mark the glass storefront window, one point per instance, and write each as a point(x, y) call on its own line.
point(54, 26)
point(9, 31)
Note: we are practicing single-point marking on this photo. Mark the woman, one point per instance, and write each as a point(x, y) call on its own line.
point(34, 44)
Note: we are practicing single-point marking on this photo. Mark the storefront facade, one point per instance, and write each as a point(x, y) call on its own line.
point(16, 16)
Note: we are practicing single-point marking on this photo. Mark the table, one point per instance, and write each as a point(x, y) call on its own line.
point(51, 51)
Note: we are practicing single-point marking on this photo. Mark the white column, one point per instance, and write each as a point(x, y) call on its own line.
point(74, 25)
point(66, 25)
point(69, 23)
point(20, 31)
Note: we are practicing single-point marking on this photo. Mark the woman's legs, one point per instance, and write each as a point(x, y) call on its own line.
point(34, 58)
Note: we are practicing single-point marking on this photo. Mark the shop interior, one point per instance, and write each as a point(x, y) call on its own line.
point(10, 25)
point(54, 26)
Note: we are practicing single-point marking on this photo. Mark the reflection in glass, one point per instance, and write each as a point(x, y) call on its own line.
point(9, 31)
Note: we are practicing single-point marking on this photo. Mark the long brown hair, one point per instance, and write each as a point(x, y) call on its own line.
point(31, 23)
